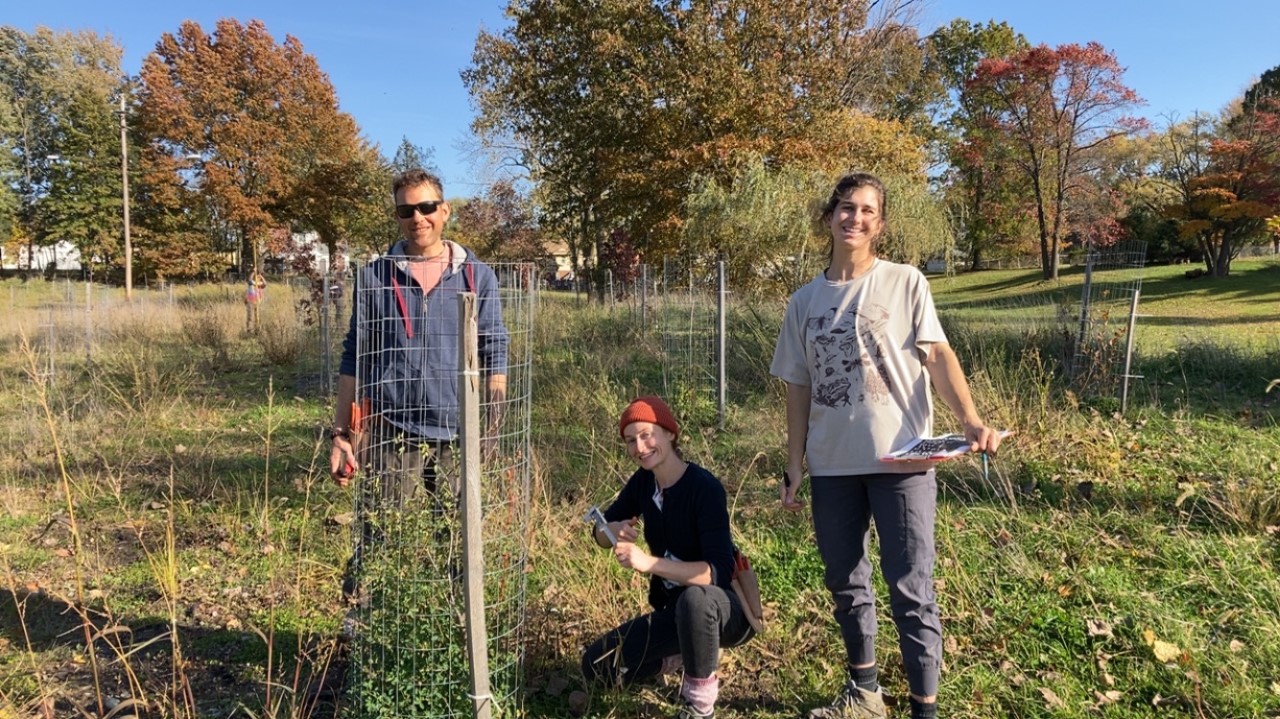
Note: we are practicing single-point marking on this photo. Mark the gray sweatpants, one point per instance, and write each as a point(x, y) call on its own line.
point(903, 507)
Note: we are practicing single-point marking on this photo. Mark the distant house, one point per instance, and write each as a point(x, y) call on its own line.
point(61, 255)
point(558, 251)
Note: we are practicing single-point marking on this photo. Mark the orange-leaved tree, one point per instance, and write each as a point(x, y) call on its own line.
point(261, 122)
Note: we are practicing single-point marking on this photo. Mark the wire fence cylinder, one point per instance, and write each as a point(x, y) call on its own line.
point(438, 604)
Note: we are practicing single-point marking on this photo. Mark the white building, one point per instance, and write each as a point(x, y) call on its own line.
point(63, 255)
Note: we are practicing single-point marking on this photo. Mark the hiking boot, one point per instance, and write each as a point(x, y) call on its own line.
point(688, 712)
point(853, 703)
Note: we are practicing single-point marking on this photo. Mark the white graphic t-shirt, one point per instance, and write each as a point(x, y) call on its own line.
point(859, 345)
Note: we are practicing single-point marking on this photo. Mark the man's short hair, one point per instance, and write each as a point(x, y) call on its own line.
point(413, 178)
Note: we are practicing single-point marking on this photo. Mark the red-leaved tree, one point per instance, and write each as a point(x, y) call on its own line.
point(1055, 106)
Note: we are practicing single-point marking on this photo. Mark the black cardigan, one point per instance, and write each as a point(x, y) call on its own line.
point(693, 525)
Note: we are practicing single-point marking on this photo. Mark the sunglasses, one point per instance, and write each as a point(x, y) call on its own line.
point(405, 212)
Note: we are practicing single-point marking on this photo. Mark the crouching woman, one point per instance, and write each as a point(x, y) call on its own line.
point(690, 560)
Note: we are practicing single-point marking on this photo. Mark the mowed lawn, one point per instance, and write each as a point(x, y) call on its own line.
point(1241, 310)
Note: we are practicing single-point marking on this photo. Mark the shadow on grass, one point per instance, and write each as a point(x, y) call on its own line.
point(217, 672)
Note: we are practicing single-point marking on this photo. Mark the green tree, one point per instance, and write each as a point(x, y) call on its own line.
point(987, 210)
point(57, 91)
point(409, 156)
point(615, 106)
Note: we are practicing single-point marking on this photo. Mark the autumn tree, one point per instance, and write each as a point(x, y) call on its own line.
point(989, 213)
point(263, 123)
point(500, 226)
point(614, 106)
point(1053, 106)
point(1226, 180)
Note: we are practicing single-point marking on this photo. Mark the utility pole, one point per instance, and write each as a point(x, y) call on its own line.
point(124, 175)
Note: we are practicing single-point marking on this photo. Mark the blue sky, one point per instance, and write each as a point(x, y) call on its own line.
point(395, 66)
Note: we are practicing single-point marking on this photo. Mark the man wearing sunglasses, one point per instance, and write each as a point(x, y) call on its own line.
point(400, 365)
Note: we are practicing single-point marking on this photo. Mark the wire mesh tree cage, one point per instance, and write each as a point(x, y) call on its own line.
point(410, 653)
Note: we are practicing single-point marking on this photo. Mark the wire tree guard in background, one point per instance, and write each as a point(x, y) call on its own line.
point(691, 321)
point(1104, 343)
point(419, 563)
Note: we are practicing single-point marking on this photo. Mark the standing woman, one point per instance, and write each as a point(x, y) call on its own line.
point(690, 562)
point(858, 348)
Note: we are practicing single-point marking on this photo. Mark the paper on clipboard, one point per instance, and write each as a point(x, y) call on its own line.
point(933, 449)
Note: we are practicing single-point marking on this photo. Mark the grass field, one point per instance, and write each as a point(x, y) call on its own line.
point(1122, 566)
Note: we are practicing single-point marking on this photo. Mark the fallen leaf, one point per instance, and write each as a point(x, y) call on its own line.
point(1110, 697)
point(180, 449)
point(1160, 701)
point(1165, 652)
point(1099, 628)
point(556, 686)
point(64, 553)
point(1003, 537)
point(1237, 646)
point(342, 520)
point(1051, 699)
point(1275, 687)
point(1108, 679)
point(156, 505)
point(1148, 636)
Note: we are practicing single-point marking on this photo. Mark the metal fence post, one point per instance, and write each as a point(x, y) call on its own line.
point(720, 341)
point(1128, 353)
point(644, 297)
point(473, 550)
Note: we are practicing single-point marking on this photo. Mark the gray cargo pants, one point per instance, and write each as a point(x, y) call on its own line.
point(903, 507)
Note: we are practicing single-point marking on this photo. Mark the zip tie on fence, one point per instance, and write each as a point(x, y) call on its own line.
point(470, 373)
point(481, 697)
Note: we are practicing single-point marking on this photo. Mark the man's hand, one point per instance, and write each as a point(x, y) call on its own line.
point(792, 478)
point(342, 461)
point(633, 557)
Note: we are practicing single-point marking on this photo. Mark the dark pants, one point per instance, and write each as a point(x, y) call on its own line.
point(701, 621)
point(903, 507)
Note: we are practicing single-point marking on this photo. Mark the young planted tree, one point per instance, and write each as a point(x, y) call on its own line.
point(1052, 106)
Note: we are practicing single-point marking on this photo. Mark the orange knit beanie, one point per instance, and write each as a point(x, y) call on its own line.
point(648, 409)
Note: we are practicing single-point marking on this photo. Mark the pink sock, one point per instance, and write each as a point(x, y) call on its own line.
point(701, 693)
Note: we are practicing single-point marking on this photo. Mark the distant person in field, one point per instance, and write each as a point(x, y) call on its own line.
point(690, 562)
point(403, 344)
point(255, 292)
point(858, 348)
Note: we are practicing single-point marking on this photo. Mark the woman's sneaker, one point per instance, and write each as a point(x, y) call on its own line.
point(853, 703)
point(688, 712)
